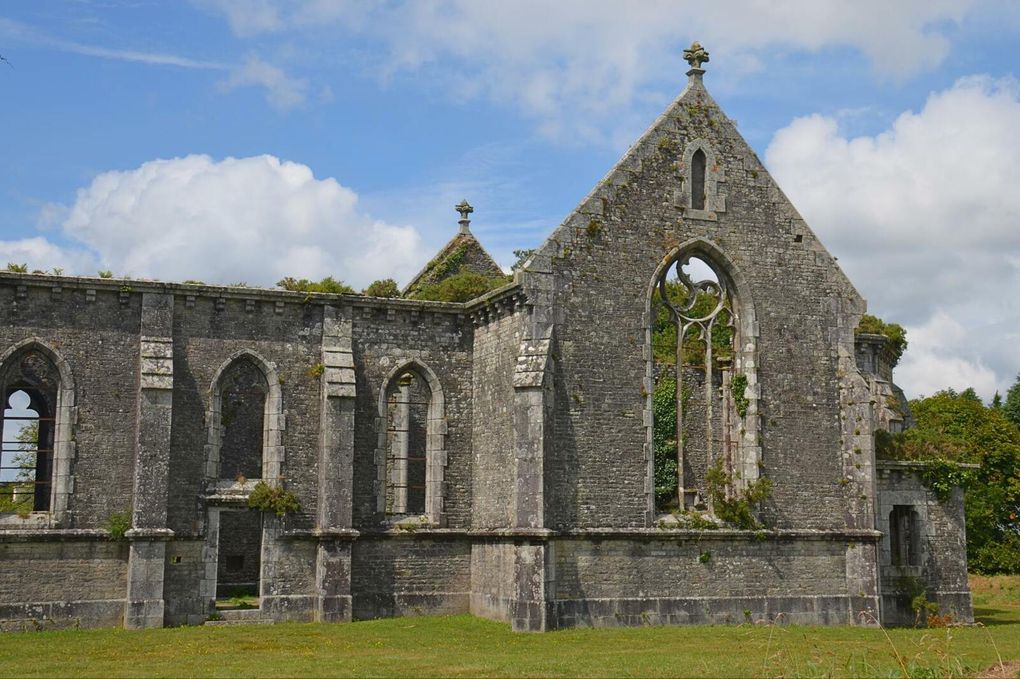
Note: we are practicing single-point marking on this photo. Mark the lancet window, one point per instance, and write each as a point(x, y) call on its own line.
point(698, 163)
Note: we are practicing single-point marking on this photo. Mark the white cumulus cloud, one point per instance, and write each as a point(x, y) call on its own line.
point(924, 217)
point(254, 220)
point(942, 356)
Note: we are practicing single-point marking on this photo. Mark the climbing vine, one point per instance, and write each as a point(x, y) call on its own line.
point(941, 476)
point(738, 387)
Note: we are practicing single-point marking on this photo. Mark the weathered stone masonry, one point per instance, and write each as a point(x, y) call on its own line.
point(535, 424)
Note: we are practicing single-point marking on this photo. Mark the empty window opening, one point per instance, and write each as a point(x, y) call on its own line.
point(239, 559)
point(904, 536)
point(408, 398)
point(698, 163)
point(243, 391)
point(693, 417)
point(29, 388)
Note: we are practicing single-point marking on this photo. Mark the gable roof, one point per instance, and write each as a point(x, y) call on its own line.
point(680, 119)
point(462, 253)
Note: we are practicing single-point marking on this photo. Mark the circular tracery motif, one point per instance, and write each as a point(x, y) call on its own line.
point(693, 289)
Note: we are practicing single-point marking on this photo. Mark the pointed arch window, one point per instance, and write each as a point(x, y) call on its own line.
point(37, 395)
point(411, 457)
point(246, 422)
point(243, 393)
point(703, 395)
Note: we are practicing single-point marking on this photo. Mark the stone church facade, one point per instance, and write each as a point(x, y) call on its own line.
point(495, 457)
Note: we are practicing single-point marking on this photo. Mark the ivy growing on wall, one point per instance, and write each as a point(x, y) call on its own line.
point(738, 387)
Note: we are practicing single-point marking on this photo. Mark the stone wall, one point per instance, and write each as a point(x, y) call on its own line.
point(940, 572)
point(209, 332)
point(492, 578)
point(603, 259)
point(410, 575)
point(384, 339)
point(77, 581)
point(707, 578)
point(495, 357)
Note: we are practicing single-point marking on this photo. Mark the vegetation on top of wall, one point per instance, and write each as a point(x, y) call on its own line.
point(893, 331)
point(461, 287)
point(327, 285)
point(957, 427)
point(268, 498)
point(17, 268)
point(385, 287)
point(447, 265)
point(440, 266)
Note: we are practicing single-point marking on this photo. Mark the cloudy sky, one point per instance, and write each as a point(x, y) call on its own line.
point(247, 140)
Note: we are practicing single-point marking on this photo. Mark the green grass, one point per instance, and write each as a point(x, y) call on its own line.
point(466, 646)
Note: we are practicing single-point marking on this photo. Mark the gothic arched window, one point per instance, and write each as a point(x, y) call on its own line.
point(243, 392)
point(412, 456)
point(703, 403)
point(246, 422)
point(30, 389)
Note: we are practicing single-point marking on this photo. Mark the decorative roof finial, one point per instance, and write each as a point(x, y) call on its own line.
point(696, 55)
point(464, 209)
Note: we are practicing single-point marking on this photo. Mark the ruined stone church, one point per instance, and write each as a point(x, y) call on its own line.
point(664, 418)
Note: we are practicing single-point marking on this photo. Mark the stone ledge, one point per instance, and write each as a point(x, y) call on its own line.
point(721, 534)
point(149, 534)
point(227, 292)
point(54, 535)
point(323, 534)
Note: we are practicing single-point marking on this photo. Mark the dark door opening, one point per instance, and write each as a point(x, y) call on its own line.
point(239, 559)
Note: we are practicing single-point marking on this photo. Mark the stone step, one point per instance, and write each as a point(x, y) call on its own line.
point(223, 623)
point(240, 616)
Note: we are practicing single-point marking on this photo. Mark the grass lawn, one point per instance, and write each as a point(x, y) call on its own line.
point(466, 646)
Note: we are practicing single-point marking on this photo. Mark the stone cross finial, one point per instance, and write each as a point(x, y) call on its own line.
point(696, 55)
point(464, 209)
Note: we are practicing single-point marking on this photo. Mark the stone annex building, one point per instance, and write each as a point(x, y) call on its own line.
point(496, 457)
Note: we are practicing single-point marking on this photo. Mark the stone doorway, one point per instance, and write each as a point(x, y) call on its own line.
point(235, 558)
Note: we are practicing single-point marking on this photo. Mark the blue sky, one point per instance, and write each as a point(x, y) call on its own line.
point(234, 141)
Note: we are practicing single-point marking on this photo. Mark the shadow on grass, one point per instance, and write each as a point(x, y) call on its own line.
point(995, 616)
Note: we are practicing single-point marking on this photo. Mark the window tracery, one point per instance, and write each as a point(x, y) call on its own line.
point(704, 386)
